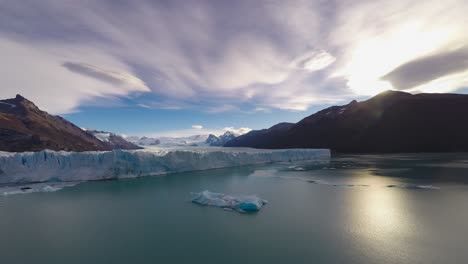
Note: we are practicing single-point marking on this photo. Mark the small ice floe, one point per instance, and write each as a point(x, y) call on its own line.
point(263, 173)
point(240, 203)
point(320, 182)
point(34, 187)
point(413, 186)
point(296, 168)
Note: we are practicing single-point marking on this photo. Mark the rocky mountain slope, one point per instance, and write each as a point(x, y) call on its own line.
point(116, 141)
point(24, 127)
point(389, 122)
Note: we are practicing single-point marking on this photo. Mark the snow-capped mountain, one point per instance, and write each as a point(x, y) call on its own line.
point(196, 140)
point(191, 141)
point(213, 140)
point(116, 141)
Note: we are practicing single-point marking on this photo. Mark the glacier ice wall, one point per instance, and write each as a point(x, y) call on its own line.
point(49, 165)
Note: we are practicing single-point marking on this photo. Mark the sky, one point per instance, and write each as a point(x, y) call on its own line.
point(190, 67)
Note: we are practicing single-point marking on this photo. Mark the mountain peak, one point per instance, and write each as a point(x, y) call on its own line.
point(228, 133)
point(19, 97)
point(391, 93)
point(26, 128)
point(391, 121)
point(25, 104)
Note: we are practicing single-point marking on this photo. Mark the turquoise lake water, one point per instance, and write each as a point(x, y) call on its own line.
point(353, 209)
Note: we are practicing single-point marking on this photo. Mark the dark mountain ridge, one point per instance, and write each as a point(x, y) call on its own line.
point(389, 122)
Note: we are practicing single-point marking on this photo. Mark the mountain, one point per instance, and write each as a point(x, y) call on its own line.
point(213, 140)
point(24, 127)
point(260, 138)
point(116, 141)
point(389, 122)
point(192, 141)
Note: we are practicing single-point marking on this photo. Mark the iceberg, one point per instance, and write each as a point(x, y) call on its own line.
point(414, 186)
point(240, 203)
point(61, 166)
point(35, 187)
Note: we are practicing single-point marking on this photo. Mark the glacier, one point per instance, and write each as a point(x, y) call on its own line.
point(61, 166)
point(240, 203)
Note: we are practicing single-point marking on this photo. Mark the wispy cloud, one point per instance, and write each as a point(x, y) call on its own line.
point(38, 73)
point(109, 76)
point(428, 68)
point(238, 131)
point(282, 54)
point(313, 61)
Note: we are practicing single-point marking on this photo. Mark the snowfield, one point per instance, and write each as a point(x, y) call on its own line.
point(44, 166)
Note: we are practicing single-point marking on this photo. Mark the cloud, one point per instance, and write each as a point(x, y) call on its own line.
point(38, 74)
point(285, 55)
point(313, 61)
point(220, 108)
point(376, 37)
point(238, 131)
point(197, 126)
point(111, 77)
point(262, 109)
point(428, 68)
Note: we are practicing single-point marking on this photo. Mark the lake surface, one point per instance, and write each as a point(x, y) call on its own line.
point(353, 209)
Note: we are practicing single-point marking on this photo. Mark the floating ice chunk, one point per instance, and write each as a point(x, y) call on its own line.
point(264, 173)
point(428, 187)
point(34, 187)
point(412, 186)
point(240, 203)
point(296, 168)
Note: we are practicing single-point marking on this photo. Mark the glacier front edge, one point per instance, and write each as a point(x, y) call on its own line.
point(44, 166)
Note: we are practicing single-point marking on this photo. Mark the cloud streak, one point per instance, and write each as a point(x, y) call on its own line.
point(189, 54)
point(111, 77)
point(425, 69)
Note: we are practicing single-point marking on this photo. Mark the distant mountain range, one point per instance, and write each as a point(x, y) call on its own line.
point(209, 140)
point(196, 140)
point(389, 122)
point(24, 127)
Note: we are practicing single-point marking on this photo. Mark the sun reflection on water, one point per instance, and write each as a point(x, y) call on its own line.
point(380, 219)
